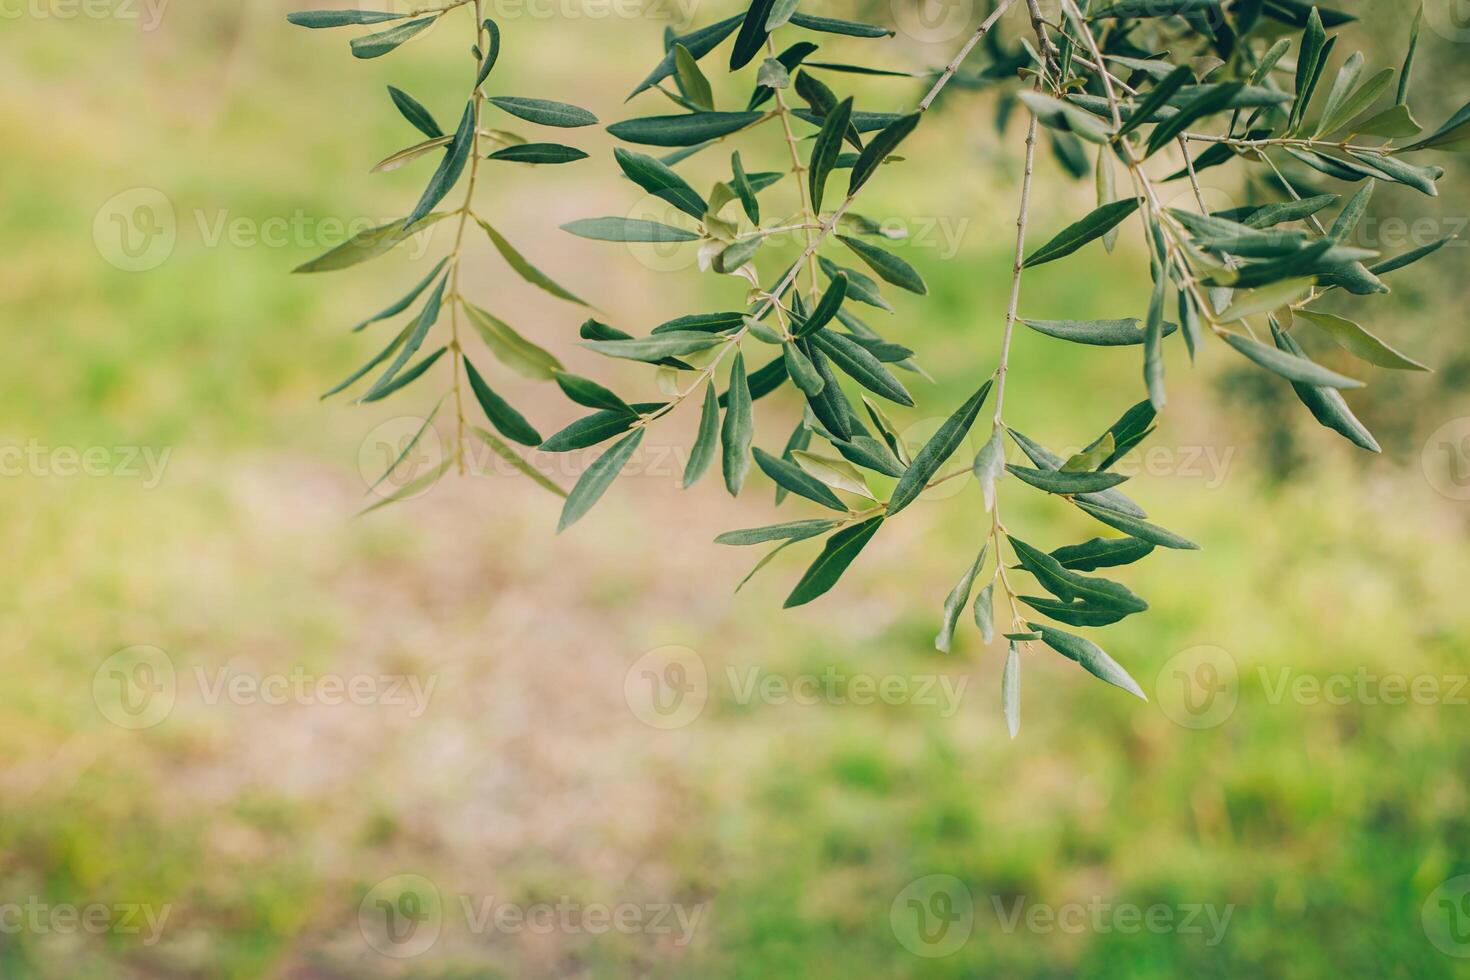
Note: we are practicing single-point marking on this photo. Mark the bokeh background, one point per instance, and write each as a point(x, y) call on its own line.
point(183, 516)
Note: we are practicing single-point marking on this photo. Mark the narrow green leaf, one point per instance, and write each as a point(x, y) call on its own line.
point(1157, 98)
point(1010, 690)
point(544, 112)
point(1102, 553)
point(420, 118)
point(738, 429)
point(955, 603)
point(938, 449)
point(505, 452)
point(1207, 103)
point(1074, 236)
point(1153, 344)
point(1058, 481)
point(792, 478)
point(597, 478)
point(379, 358)
point(510, 348)
point(793, 531)
point(984, 613)
point(1136, 526)
point(450, 167)
point(585, 391)
point(682, 130)
point(367, 245)
point(524, 268)
point(427, 317)
point(660, 181)
point(1289, 366)
point(1153, 8)
point(547, 153)
point(593, 429)
point(383, 42)
point(317, 19)
point(413, 488)
point(404, 378)
point(406, 301)
point(613, 229)
point(889, 267)
point(836, 557)
point(656, 346)
point(825, 149)
point(753, 33)
point(1326, 404)
point(509, 422)
point(703, 451)
point(860, 365)
point(831, 25)
point(1408, 69)
point(1410, 257)
point(407, 447)
point(1357, 341)
point(1097, 333)
point(1090, 656)
point(799, 366)
point(878, 150)
point(699, 43)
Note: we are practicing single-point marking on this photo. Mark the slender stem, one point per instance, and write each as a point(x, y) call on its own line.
point(1002, 368)
point(1310, 144)
point(464, 217)
point(963, 53)
point(798, 170)
point(1005, 341)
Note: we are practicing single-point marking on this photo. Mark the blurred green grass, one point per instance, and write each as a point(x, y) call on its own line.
point(1324, 826)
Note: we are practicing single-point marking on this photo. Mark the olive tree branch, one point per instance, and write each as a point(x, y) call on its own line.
point(464, 216)
point(823, 231)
